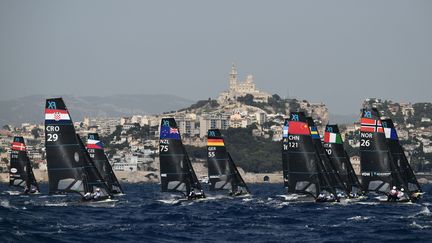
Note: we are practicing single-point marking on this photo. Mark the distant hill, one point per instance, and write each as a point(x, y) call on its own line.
point(343, 119)
point(31, 108)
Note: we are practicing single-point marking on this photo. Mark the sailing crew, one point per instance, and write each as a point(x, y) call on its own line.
point(393, 196)
point(97, 194)
point(192, 193)
point(321, 197)
point(400, 194)
point(87, 196)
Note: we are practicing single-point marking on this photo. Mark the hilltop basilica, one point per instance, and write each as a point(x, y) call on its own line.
point(239, 89)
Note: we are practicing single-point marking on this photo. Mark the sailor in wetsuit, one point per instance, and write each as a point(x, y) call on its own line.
point(321, 197)
point(393, 196)
point(192, 194)
point(331, 197)
point(97, 194)
point(401, 194)
point(93, 196)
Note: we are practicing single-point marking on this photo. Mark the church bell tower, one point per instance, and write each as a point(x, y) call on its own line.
point(233, 78)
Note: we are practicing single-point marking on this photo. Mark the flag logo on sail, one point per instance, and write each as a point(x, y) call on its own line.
point(298, 128)
point(56, 116)
point(371, 125)
point(314, 133)
point(94, 144)
point(285, 131)
point(390, 133)
point(215, 142)
point(331, 137)
point(174, 130)
point(169, 132)
point(18, 146)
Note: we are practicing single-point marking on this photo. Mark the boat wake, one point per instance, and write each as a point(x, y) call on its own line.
point(6, 204)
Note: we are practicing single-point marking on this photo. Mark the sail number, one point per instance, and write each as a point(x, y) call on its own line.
point(211, 154)
point(164, 148)
point(364, 142)
point(293, 144)
point(52, 137)
point(329, 151)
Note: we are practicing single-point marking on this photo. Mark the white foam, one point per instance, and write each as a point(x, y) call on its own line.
point(418, 226)
point(359, 218)
point(5, 203)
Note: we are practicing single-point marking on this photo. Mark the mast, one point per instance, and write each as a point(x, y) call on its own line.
point(333, 145)
point(176, 171)
point(21, 172)
point(378, 171)
point(70, 168)
point(399, 158)
point(222, 171)
point(329, 168)
point(303, 171)
point(95, 149)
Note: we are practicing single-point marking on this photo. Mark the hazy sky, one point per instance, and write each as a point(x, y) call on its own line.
point(337, 52)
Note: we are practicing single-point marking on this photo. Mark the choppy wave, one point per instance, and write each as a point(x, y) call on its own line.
point(145, 215)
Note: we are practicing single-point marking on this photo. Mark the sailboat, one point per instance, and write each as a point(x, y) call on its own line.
point(95, 149)
point(304, 174)
point(21, 172)
point(70, 168)
point(222, 171)
point(329, 167)
point(176, 171)
point(378, 170)
point(400, 160)
point(334, 148)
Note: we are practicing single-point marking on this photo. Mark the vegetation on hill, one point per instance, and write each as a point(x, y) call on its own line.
point(253, 154)
point(210, 104)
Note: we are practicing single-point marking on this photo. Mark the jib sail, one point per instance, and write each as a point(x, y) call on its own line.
point(330, 168)
point(378, 171)
point(302, 168)
point(70, 168)
point(21, 172)
point(222, 171)
point(333, 145)
point(177, 174)
point(399, 157)
point(95, 149)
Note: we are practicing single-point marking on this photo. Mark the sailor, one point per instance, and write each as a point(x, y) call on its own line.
point(87, 196)
point(192, 193)
point(400, 194)
point(331, 197)
point(393, 194)
point(321, 197)
point(26, 190)
point(97, 194)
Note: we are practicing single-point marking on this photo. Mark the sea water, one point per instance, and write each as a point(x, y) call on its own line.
point(146, 215)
